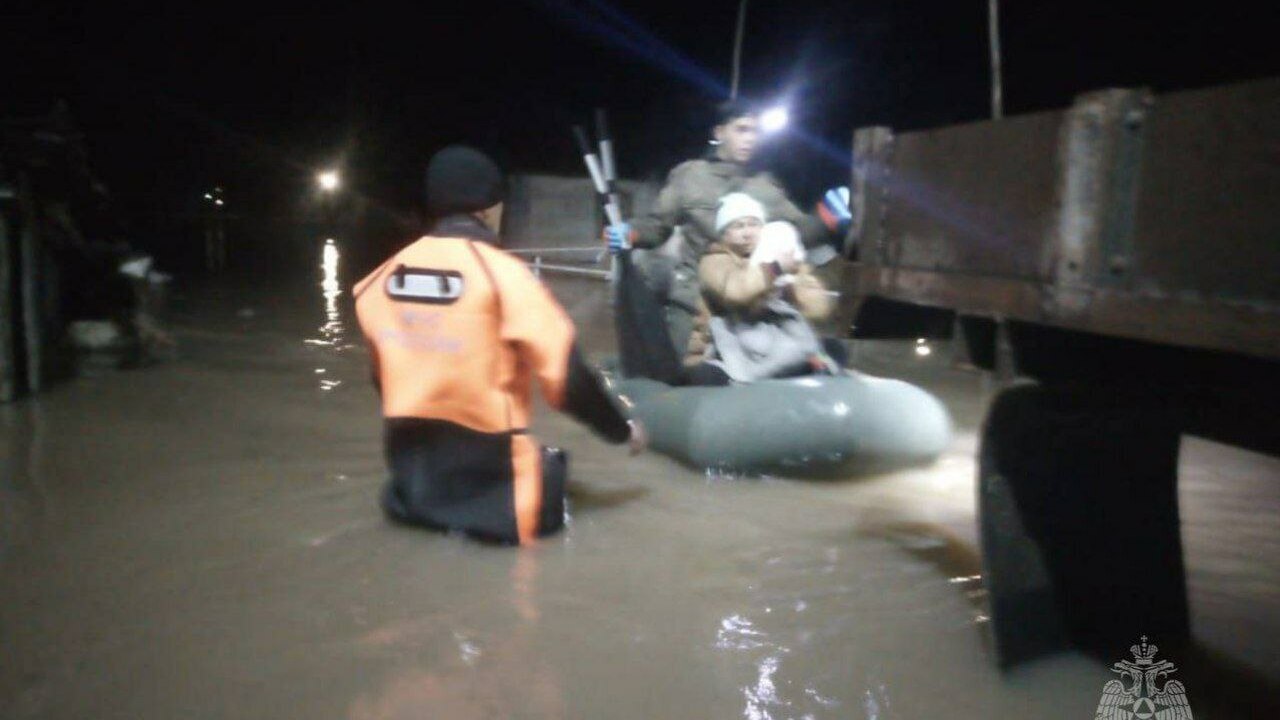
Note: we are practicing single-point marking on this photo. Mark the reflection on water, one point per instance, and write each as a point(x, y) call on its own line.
point(333, 331)
point(737, 633)
point(808, 637)
point(764, 694)
point(493, 667)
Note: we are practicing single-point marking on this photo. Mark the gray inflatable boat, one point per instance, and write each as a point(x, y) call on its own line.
point(815, 426)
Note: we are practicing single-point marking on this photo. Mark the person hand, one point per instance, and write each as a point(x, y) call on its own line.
point(834, 209)
point(618, 237)
point(639, 440)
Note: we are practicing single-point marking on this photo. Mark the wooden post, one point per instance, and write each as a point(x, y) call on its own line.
point(997, 81)
point(29, 276)
point(737, 49)
point(8, 358)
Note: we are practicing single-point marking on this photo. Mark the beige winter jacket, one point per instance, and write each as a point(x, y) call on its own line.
point(730, 283)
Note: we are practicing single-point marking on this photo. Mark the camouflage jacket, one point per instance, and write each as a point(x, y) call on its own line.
point(692, 195)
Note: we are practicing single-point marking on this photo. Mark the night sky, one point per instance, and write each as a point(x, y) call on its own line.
point(175, 102)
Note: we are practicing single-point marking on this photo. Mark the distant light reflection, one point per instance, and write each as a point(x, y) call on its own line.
point(332, 331)
point(764, 694)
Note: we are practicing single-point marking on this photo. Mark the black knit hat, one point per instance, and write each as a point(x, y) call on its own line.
point(461, 179)
point(730, 110)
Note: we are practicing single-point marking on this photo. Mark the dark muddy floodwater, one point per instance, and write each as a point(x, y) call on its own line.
point(200, 539)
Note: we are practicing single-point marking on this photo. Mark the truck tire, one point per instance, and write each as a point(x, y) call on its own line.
point(1078, 508)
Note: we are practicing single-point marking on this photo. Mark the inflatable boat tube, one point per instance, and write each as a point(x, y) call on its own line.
point(817, 426)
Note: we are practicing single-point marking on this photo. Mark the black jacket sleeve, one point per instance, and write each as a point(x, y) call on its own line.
point(586, 399)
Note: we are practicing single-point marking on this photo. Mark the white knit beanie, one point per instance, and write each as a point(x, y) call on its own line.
point(736, 206)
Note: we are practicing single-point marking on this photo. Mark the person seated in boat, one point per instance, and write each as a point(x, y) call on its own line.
point(687, 203)
point(758, 297)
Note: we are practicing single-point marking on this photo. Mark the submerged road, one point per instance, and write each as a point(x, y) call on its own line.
point(200, 539)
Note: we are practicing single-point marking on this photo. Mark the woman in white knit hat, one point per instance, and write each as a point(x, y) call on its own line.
point(759, 297)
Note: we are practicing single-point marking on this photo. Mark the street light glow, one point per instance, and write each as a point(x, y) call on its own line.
point(218, 202)
point(328, 180)
point(774, 119)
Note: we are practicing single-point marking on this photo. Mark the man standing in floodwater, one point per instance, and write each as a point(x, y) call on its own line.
point(689, 201)
point(458, 331)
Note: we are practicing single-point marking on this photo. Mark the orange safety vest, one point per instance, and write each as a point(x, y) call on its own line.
point(458, 331)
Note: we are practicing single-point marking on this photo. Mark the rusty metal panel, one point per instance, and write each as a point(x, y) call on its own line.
point(1207, 221)
point(1099, 156)
point(964, 293)
point(1126, 215)
point(1238, 328)
point(976, 198)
